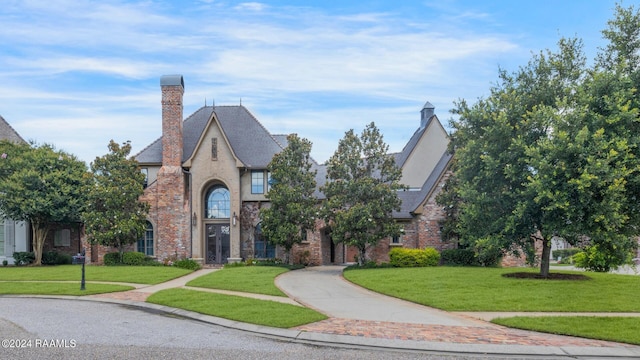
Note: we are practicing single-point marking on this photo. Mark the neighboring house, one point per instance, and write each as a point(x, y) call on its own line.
point(14, 235)
point(207, 179)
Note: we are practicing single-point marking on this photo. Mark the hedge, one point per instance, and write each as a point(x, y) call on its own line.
point(402, 257)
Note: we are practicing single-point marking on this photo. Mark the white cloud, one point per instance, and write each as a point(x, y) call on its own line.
point(92, 68)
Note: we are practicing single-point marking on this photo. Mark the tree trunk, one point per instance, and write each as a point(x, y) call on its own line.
point(363, 253)
point(544, 260)
point(39, 234)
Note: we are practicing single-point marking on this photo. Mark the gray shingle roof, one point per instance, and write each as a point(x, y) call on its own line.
point(249, 140)
point(8, 133)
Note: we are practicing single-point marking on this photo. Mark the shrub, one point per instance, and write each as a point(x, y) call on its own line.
point(188, 264)
point(23, 257)
point(56, 258)
point(134, 258)
point(488, 251)
point(111, 259)
point(5, 262)
point(458, 257)
point(402, 257)
point(595, 258)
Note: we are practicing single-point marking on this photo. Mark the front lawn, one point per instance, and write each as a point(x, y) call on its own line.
point(253, 311)
point(485, 289)
point(251, 279)
point(618, 329)
point(57, 288)
point(129, 274)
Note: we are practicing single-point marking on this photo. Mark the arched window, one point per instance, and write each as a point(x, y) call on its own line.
point(145, 245)
point(218, 204)
point(263, 248)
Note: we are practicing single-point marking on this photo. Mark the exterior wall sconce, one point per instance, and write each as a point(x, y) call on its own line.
point(234, 219)
point(194, 219)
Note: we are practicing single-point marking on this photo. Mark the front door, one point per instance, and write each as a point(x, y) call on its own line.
point(218, 246)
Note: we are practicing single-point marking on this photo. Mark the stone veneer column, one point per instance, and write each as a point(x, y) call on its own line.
point(173, 208)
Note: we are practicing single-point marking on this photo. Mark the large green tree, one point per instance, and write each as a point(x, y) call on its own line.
point(40, 185)
point(114, 215)
point(553, 151)
point(293, 205)
point(361, 190)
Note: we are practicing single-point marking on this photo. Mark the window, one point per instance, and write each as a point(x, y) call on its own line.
point(214, 149)
point(257, 182)
point(62, 237)
point(263, 248)
point(396, 240)
point(145, 245)
point(269, 181)
point(145, 171)
point(218, 204)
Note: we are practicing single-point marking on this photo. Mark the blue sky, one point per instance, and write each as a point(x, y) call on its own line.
point(78, 73)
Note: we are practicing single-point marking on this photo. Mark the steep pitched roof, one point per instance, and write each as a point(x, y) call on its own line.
point(249, 140)
point(411, 200)
point(8, 133)
point(402, 156)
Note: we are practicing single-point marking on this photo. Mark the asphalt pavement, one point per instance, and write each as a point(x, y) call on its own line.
point(361, 319)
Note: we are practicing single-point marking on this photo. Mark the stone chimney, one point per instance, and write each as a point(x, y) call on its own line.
point(426, 113)
point(172, 90)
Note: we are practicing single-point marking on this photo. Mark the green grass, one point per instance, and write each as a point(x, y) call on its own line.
point(131, 274)
point(618, 329)
point(56, 288)
point(260, 312)
point(251, 279)
point(484, 289)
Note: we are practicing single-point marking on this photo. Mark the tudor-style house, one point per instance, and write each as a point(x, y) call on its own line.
point(207, 179)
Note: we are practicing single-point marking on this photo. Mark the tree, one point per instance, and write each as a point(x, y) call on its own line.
point(114, 215)
point(42, 186)
point(492, 141)
point(361, 191)
point(553, 151)
point(293, 204)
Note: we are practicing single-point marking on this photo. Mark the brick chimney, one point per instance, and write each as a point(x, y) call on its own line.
point(173, 216)
point(426, 113)
point(172, 90)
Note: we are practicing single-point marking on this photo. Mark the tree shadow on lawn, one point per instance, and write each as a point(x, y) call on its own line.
point(552, 276)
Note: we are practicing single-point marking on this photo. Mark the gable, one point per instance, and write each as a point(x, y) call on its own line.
point(422, 153)
point(251, 143)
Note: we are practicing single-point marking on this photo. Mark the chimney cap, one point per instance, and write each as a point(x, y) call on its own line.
point(172, 80)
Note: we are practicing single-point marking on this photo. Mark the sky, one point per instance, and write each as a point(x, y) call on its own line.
point(79, 73)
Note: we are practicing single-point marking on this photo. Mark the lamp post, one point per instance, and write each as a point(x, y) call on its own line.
point(83, 261)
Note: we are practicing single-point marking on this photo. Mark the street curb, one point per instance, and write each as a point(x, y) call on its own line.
point(622, 352)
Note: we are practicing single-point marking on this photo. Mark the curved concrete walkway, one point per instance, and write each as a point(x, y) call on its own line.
point(324, 289)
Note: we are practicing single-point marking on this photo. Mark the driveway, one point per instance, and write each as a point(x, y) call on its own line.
point(324, 289)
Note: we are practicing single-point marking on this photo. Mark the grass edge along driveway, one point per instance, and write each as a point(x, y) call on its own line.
point(485, 289)
point(238, 308)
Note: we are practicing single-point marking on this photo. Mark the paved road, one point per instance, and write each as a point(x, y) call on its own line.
point(324, 289)
point(94, 330)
